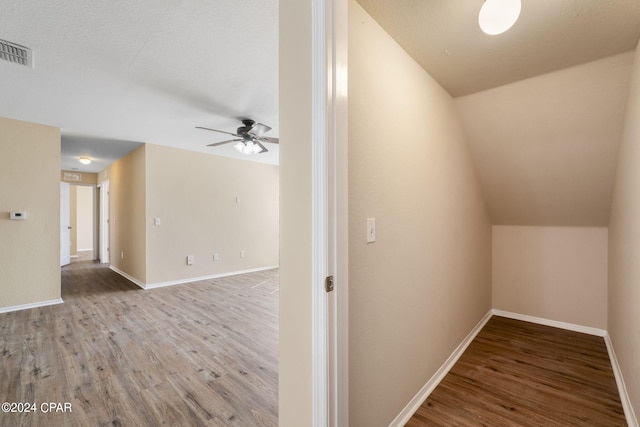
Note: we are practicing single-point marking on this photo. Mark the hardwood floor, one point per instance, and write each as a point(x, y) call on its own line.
point(522, 374)
point(196, 354)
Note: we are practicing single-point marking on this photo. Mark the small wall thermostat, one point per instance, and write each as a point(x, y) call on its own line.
point(17, 215)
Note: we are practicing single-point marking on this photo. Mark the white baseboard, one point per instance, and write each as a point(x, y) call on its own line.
point(211, 276)
point(127, 276)
point(30, 305)
point(554, 323)
point(405, 415)
point(629, 414)
point(188, 280)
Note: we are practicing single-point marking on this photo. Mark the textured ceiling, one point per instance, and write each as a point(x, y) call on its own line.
point(144, 70)
point(444, 38)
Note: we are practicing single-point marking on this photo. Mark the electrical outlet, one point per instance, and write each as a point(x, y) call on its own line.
point(242, 253)
point(189, 259)
point(122, 255)
point(216, 257)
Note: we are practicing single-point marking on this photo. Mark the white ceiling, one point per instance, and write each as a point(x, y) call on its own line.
point(445, 39)
point(101, 151)
point(144, 70)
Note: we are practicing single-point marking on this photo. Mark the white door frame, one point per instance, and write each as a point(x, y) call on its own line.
point(104, 222)
point(330, 214)
point(65, 224)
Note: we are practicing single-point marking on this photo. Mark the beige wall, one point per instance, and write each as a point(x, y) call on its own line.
point(426, 282)
point(624, 248)
point(295, 339)
point(127, 214)
point(208, 204)
point(546, 148)
point(557, 273)
point(30, 182)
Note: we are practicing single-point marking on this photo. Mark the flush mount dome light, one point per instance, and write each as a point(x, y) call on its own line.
point(497, 16)
point(84, 160)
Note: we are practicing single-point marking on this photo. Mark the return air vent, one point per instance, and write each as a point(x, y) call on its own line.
point(15, 53)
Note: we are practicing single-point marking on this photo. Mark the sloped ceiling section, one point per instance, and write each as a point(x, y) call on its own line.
point(546, 148)
point(445, 39)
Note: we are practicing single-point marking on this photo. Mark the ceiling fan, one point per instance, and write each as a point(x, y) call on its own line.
point(249, 139)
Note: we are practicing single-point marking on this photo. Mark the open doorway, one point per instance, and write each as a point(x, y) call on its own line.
point(83, 227)
point(102, 218)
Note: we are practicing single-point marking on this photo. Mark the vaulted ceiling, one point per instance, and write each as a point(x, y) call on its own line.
point(445, 39)
point(542, 105)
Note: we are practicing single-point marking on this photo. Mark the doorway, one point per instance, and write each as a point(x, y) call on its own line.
point(102, 212)
point(83, 207)
point(65, 224)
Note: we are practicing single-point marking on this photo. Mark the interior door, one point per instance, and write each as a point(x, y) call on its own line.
point(104, 222)
point(65, 225)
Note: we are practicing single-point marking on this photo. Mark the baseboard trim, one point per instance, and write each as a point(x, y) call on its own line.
point(127, 276)
point(554, 323)
point(188, 280)
point(30, 305)
point(405, 415)
point(209, 277)
point(629, 414)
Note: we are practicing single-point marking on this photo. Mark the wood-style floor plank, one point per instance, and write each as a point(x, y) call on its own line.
point(197, 354)
point(517, 373)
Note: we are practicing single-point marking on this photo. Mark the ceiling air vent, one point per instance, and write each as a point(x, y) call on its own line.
point(15, 53)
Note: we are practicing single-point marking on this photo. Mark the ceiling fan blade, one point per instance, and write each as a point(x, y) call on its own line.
point(270, 140)
point(223, 142)
point(259, 129)
point(216, 130)
point(263, 149)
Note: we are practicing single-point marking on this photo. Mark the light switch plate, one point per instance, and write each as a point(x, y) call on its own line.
point(17, 215)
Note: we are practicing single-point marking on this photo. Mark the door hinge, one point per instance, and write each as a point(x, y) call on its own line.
point(328, 284)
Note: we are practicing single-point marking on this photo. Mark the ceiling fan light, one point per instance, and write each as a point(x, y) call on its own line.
point(255, 148)
point(497, 16)
point(240, 147)
point(84, 160)
point(247, 147)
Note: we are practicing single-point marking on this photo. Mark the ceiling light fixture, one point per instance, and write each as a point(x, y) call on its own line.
point(247, 147)
point(497, 16)
point(84, 160)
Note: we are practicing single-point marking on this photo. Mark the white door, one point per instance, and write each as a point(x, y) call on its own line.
point(104, 222)
point(65, 225)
